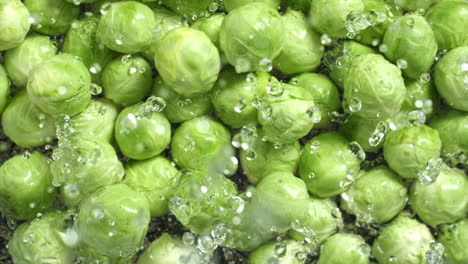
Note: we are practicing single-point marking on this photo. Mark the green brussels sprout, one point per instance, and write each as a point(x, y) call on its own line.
point(373, 88)
point(283, 252)
point(443, 201)
point(410, 43)
point(82, 165)
point(86, 254)
point(451, 78)
point(211, 26)
point(203, 200)
point(233, 4)
point(60, 85)
point(5, 89)
point(127, 80)
point(26, 186)
point(198, 141)
point(81, 40)
point(404, 240)
point(413, 5)
point(192, 9)
point(32, 51)
point(25, 124)
point(78, 2)
point(420, 96)
point(454, 237)
point(368, 133)
point(252, 36)
point(51, 17)
point(301, 5)
point(166, 249)
point(14, 23)
point(187, 61)
point(449, 22)
point(126, 27)
point(452, 126)
point(302, 49)
point(263, 158)
point(180, 108)
point(40, 241)
point(350, 248)
point(97, 120)
point(323, 219)
point(114, 221)
point(142, 133)
point(282, 123)
point(329, 16)
point(156, 178)
point(369, 197)
point(324, 92)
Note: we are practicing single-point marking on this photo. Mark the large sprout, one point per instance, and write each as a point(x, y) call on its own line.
point(452, 126)
point(14, 23)
point(350, 248)
point(51, 17)
point(454, 237)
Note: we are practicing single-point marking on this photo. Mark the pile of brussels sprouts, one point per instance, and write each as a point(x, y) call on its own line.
point(262, 131)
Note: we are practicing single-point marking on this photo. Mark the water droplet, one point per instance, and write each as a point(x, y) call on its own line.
point(251, 77)
point(71, 190)
point(29, 238)
point(378, 134)
point(206, 244)
point(188, 238)
point(70, 237)
point(213, 7)
point(416, 118)
point(314, 146)
point(240, 106)
point(280, 250)
point(250, 155)
point(314, 114)
point(265, 65)
point(326, 40)
point(402, 64)
point(105, 8)
point(410, 22)
point(26, 154)
point(62, 90)
point(392, 259)
point(220, 233)
point(383, 48)
point(180, 209)
point(266, 111)
point(95, 89)
point(425, 78)
point(357, 150)
point(431, 172)
point(355, 105)
point(132, 70)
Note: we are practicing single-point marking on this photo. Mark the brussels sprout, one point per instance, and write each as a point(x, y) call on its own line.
point(350, 248)
point(26, 186)
point(420, 96)
point(282, 123)
point(404, 240)
point(97, 120)
point(5, 89)
point(329, 164)
point(60, 85)
point(283, 252)
point(81, 41)
point(449, 22)
point(329, 16)
point(114, 221)
point(373, 88)
point(443, 201)
point(368, 133)
point(198, 141)
point(78, 2)
point(51, 17)
point(211, 26)
point(81, 166)
point(180, 108)
point(86, 254)
point(410, 43)
point(126, 27)
point(40, 241)
point(454, 237)
point(302, 49)
point(20, 60)
point(252, 36)
point(142, 133)
point(233, 4)
point(25, 124)
point(166, 249)
point(452, 126)
point(413, 5)
point(324, 92)
point(203, 200)
point(301, 5)
point(156, 178)
point(14, 23)
point(187, 61)
point(451, 78)
point(127, 80)
point(369, 197)
point(323, 219)
point(192, 9)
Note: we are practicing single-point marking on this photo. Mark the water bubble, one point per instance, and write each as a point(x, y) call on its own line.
point(213, 7)
point(266, 111)
point(105, 8)
point(311, 176)
point(251, 77)
point(242, 65)
point(402, 64)
point(383, 48)
point(326, 40)
point(62, 90)
point(357, 150)
point(98, 213)
point(95, 68)
point(257, 102)
point(32, 205)
point(314, 114)
point(274, 88)
point(392, 259)
point(29, 238)
point(347, 182)
point(70, 237)
point(425, 78)
point(339, 118)
point(190, 144)
point(280, 250)
point(220, 233)
point(95, 89)
point(71, 191)
point(431, 172)
point(250, 155)
point(416, 118)
point(206, 244)
point(355, 105)
point(132, 70)
point(180, 209)
point(188, 238)
point(265, 65)
point(126, 58)
point(240, 106)
point(314, 146)
point(435, 254)
point(410, 22)
point(26, 154)
point(378, 134)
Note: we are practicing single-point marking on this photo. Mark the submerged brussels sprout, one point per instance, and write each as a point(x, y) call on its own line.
point(126, 27)
point(26, 186)
point(60, 85)
point(451, 78)
point(127, 80)
point(25, 124)
point(329, 164)
point(282, 252)
point(454, 237)
point(233, 4)
point(41, 241)
point(373, 88)
point(187, 61)
point(413, 5)
point(410, 43)
point(287, 112)
point(449, 22)
point(20, 60)
point(443, 201)
point(368, 133)
point(114, 221)
point(350, 248)
point(252, 36)
point(142, 133)
point(211, 26)
point(302, 49)
point(329, 16)
point(51, 17)
point(14, 23)
point(452, 126)
point(420, 96)
point(369, 197)
point(403, 241)
point(5, 89)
